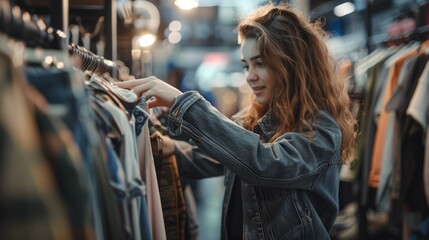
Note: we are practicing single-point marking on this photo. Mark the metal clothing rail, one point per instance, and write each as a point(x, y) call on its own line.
point(88, 61)
point(22, 26)
point(92, 62)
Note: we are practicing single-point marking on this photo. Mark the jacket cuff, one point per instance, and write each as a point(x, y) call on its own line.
point(182, 103)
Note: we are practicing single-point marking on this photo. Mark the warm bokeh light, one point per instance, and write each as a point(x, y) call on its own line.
point(147, 40)
point(186, 4)
point(175, 26)
point(174, 37)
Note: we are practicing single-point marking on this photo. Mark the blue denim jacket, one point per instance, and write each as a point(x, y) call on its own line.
point(289, 187)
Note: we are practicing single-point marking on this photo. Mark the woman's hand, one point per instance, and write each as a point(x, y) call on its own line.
point(161, 144)
point(163, 93)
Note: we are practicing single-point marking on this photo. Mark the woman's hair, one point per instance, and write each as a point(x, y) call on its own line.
point(295, 54)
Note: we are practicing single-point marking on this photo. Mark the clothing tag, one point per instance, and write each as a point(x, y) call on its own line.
point(141, 117)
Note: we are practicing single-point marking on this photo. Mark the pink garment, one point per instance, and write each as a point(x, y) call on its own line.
point(426, 169)
point(147, 166)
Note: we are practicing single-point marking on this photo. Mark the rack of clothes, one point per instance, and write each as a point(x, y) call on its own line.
point(392, 164)
point(76, 150)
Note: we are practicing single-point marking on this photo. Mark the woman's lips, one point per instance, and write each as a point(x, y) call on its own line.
point(257, 90)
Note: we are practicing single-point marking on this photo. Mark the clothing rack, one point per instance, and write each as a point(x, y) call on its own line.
point(373, 41)
point(20, 25)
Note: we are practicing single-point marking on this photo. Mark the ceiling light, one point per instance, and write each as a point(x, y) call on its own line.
point(186, 4)
point(344, 9)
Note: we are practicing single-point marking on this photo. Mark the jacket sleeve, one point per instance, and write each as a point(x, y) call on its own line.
point(293, 160)
point(192, 163)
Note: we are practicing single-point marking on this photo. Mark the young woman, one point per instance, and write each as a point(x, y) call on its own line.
point(282, 160)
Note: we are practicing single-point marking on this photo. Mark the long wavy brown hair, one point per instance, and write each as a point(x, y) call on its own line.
point(294, 52)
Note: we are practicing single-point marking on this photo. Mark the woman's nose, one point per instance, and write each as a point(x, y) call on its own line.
point(251, 75)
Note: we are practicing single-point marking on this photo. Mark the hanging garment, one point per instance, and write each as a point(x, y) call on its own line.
point(192, 231)
point(156, 219)
point(170, 189)
point(413, 149)
point(111, 221)
point(119, 185)
point(158, 120)
point(426, 164)
point(67, 97)
point(367, 78)
point(399, 104)
point(376, 79)
point(135, 185)
point(30, 203)
point(383, 191)
point(120, 155)
point(380, 135)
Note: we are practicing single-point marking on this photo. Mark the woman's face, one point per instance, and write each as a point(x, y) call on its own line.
point(255, 71)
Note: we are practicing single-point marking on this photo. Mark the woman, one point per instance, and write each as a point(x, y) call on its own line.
point(282, 164)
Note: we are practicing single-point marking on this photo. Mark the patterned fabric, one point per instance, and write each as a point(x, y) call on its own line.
point(157, 122)
point(170, 190)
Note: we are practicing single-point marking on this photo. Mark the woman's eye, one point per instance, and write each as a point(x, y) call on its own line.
point(245, 67)
point(259, 64)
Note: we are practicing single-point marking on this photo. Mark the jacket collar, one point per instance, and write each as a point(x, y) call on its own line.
point(268, 124)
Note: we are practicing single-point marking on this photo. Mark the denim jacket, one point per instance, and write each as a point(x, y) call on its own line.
point(289, 187)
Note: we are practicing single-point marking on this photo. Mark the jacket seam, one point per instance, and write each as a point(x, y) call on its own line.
point(228, 155)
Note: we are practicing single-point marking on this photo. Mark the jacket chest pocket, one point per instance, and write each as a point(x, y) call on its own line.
point(274, 194)
point(280, 210)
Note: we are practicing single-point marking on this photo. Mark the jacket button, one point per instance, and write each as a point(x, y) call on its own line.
point(250, 214)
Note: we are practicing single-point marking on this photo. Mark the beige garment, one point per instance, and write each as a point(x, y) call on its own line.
point(147, 165)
